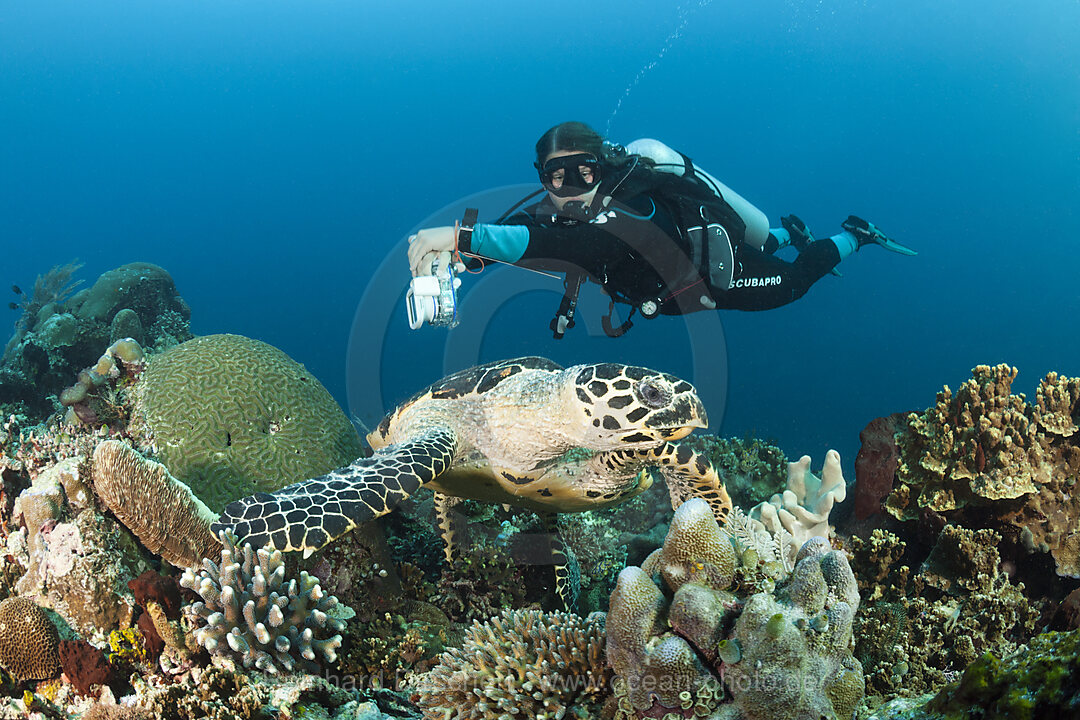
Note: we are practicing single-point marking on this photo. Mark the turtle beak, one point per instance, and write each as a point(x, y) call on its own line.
point(685, 415)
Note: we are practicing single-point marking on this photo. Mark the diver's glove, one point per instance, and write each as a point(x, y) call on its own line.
point(866, 233)
point(800, 235)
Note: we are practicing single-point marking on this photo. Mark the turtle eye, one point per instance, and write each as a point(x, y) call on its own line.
point(653, 393)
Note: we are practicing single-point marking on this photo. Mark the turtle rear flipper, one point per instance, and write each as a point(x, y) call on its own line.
point(690, 474)
point(309, 514)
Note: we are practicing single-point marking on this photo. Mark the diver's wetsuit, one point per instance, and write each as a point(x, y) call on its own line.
point(634, 249)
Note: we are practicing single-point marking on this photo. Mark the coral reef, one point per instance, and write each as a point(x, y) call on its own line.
point(248, 609)
point(1041, 680)
point(222, 694)
point(523, 663)
point(230, 416)
point(159, 509)
point(925, 627)
point(779, 654)
point(77, 562)
point(802, 510)
point(28, 640)
point(57, 335)
point(986, 454)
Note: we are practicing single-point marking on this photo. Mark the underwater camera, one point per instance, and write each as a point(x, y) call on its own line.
point(432, 298)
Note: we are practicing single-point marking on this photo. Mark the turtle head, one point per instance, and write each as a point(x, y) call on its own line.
point(624, 406)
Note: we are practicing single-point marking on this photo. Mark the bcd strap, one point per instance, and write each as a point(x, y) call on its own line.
point(615, 332)
point(564, 318)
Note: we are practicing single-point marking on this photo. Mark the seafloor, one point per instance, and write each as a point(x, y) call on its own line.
point(940, 583)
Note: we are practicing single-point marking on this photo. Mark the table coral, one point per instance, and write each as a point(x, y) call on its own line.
point(779, 654)
point(523, 663)
point(248, 609)
point(230, 416)
point(988, 453)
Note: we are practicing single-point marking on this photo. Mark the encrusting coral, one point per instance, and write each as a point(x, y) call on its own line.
point(29, 641)
point(987, 453)
point(523, 663)
point(159, 509)
point(780, 654)
point(248, 608)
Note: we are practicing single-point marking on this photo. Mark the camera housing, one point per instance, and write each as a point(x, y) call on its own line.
point(432, 299)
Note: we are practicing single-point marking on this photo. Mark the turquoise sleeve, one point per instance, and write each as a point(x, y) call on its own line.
point(500, 242)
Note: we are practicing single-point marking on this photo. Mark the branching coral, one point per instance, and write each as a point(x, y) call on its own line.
point(929, 626)
point(249, 609)
point(524, 663)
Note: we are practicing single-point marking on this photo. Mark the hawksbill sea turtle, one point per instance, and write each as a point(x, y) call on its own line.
point(524, 432)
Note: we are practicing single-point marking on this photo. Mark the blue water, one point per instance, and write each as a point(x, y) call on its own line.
point(271, 155)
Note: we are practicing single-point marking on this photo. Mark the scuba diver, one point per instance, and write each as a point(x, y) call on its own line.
point(651, 228)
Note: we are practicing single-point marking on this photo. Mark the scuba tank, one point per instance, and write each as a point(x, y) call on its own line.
point(674, 162)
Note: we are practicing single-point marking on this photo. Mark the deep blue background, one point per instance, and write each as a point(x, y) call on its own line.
point(270, 155)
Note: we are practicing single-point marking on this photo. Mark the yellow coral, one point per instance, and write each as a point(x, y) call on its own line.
point(126, 645)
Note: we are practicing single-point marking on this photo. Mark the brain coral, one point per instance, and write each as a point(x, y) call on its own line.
point(230, 416)
point(28, 641)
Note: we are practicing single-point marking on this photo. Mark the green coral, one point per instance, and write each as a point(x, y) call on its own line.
point(1041, 680)
point(231, 416)
point(751, 469)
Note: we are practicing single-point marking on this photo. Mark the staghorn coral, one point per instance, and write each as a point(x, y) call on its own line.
point(159, 509)
point(230, 416)
point(986, 454)
point(522, 663)
point(802, 510)
point(28, 640)
point(249, 609)
point(779, 654)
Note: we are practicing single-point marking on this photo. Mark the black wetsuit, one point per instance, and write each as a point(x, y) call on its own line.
point(635, 249)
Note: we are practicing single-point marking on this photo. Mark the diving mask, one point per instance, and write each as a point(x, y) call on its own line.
point(570, 175)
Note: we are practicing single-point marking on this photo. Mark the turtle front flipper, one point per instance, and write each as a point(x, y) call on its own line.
point(567, 570)
point(309, 514)
point(690, 474)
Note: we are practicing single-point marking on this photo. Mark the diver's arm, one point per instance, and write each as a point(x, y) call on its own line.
point(583, 245)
